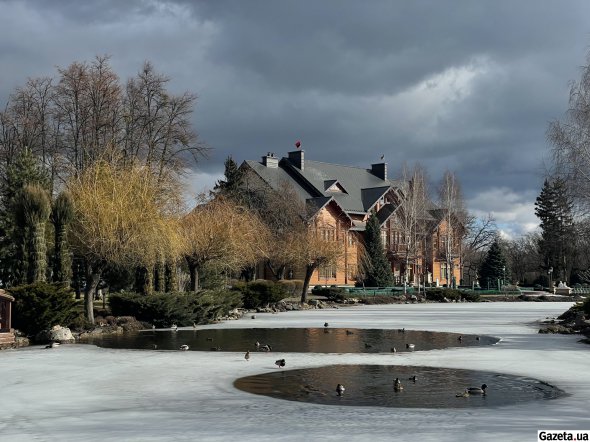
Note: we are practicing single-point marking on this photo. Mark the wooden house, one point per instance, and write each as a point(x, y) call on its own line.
point(342, 198)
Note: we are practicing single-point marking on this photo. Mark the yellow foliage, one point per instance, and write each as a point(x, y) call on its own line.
point(122, 216)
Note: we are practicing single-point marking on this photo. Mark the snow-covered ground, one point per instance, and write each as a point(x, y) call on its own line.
point(84, 393)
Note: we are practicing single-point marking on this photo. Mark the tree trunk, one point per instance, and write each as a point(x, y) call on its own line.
point(93, 274)
point(193, 269)
point(171, 283)
point(309, 269)
point(160, 277)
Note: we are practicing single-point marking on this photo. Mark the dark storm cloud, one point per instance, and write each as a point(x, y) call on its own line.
point(463, 85)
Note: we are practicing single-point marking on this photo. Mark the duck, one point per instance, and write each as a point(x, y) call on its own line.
point(326, 324)
point(247, 356)
point(412, 378)
point(477, 338)
point(184, 347)
point(280, 363)
point(367, 345)
point(174, 327)
point(216, 348)
point(53, 345)
point(410, 346)
point(253, 316)
point(264, 347)
point(402, 330)
point(393, 350)
point(397, 385)
point(460, 338)
point(348, 332)
point(340, 389)
point(477, 390)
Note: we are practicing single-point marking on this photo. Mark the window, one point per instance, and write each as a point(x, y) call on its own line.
point(443, 270)
point(328, 234)
point(384, 238)
point(328, 271)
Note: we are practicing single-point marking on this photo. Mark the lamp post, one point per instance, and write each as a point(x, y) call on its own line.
point(503, 276)
point(550, 271)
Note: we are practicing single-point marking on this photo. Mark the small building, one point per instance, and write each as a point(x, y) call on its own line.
point(6, 332)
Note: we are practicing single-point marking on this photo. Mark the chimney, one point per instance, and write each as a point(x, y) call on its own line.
point(379, 170)
point(296, 158)
point(270, 161)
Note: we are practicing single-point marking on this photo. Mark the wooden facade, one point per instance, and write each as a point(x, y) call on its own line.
point(6, 332)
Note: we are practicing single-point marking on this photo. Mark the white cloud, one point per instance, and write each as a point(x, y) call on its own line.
point(514, 212)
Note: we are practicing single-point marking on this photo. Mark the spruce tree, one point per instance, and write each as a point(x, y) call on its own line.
point(230, 187)
point(554, 209)
point(493, 267)
point(377, 267)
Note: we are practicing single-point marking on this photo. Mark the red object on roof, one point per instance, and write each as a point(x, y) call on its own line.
point(297, 144)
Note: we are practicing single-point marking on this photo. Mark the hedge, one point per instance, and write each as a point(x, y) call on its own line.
point(182, 309)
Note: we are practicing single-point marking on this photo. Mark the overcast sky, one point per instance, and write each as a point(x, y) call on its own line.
point(467, 86)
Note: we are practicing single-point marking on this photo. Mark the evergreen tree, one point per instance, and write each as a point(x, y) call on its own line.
point(24, 169)
point(230, 187)
point(62, 214)
point(493, 268)
point(33, 208)
point(377, 267)
point(554, 208)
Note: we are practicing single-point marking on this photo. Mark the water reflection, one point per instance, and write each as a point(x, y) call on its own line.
point(301, 340)
point(372, 385)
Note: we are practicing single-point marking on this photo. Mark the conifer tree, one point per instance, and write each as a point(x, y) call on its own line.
point(230, 187)
point(62, 214)
point(493, 268)
point(377, 268)
point(24, 169)
point(554, 209)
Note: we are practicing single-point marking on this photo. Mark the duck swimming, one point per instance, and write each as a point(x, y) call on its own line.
point(174, 327)
point(397, 385)
point(53, 345)
point(340, 389)
point(184, 347)
point(477, 390)
point(413, 378)
point(410, 346)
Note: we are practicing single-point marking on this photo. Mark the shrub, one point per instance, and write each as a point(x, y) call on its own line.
point(42, 305)
point(336, 294)
point(165, 309)
point(438, 295)
point(261, 293)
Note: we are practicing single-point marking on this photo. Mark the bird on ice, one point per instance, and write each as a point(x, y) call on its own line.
point(247, 356)
point(184, 347)
point(280, 363)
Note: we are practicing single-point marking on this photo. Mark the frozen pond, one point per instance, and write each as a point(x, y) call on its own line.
point(422, 387)
point(298, 340)
point(86, 393)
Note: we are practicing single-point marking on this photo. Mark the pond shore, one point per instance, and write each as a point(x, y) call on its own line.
point(81, 392)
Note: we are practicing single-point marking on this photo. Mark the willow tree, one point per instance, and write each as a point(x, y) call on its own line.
point(123, 216)
point(223, 235)
point(33, 208)
point(312, 251)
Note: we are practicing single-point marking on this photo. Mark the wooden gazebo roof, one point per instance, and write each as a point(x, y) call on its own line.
point(6, 296)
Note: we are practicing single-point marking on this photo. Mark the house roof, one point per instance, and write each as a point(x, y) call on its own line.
point(357, 188)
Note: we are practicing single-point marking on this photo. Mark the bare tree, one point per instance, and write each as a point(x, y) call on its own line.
point(453, 217)
point(411, 218)
point(480, 234)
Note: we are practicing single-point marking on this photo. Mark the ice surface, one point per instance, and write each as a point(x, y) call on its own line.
point(85, 393)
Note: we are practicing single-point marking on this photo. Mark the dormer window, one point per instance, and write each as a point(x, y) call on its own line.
point(333, 186)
